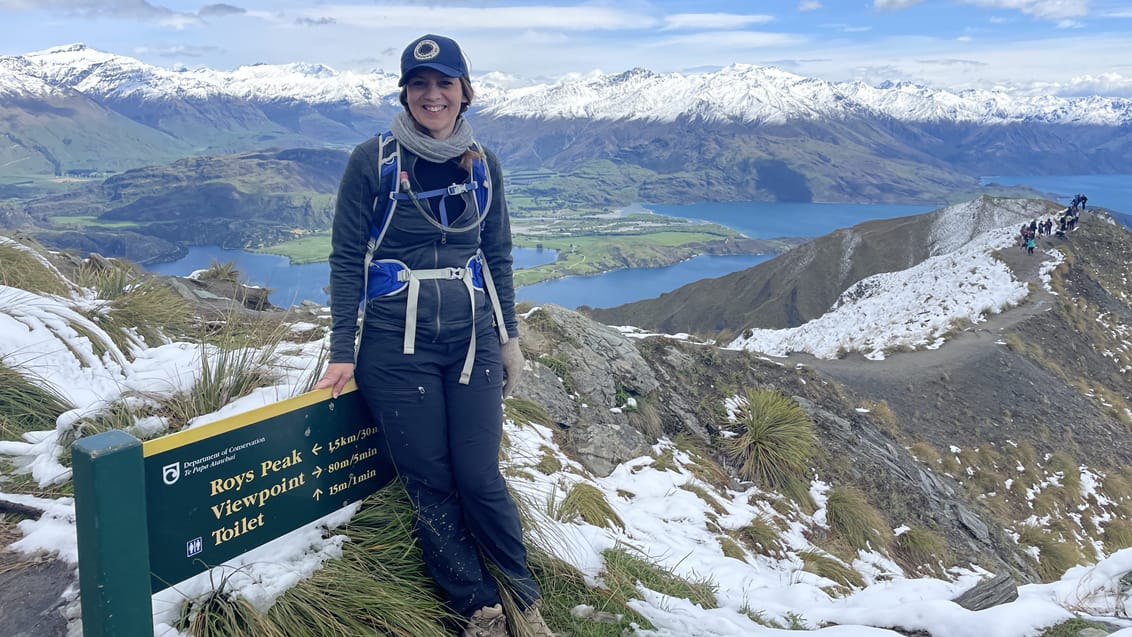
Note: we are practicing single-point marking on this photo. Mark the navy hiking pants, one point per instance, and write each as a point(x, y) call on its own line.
point(443, 438)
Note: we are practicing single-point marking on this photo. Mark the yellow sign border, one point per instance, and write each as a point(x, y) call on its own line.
point(231, 423)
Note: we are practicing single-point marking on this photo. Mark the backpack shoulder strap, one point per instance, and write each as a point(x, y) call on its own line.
point(388, 170)
point(481, 175)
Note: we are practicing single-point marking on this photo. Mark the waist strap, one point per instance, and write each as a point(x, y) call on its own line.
point(414, 278)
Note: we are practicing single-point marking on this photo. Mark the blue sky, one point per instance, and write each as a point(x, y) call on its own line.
point(1067, 47)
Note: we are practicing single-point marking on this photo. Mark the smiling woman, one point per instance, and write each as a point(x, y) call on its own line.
point(433, 269)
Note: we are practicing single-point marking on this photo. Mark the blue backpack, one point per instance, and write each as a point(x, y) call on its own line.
point(386, 277)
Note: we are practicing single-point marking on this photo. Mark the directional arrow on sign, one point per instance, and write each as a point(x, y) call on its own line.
point(317, 471)
point(316, 448)
point(317, 494)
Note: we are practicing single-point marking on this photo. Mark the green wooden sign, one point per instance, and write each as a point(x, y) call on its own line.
point(222, 489)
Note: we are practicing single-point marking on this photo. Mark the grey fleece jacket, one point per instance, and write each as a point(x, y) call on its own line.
point(444, 310)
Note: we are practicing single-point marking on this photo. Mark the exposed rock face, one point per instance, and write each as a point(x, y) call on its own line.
point(1000, 589)
point(600, 364)
point(580, 368)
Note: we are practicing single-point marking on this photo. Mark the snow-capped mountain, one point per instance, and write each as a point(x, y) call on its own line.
point(740, 92)
point(741, 132)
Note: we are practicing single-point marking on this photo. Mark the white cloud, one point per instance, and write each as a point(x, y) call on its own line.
point(93, 8)
point(730, 40)
point(1104, 84)
point(1048, 9)
point(576, 18)
point(809, 5)
point(714, 20)
point(894, 4)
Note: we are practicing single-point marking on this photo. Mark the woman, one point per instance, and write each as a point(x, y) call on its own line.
point(438, 302)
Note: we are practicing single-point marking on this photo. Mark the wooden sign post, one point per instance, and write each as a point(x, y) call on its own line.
point(152, 514)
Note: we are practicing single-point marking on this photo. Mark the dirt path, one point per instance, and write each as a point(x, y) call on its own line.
point(905, 368)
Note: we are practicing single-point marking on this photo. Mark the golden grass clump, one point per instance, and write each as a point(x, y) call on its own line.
point(225, 271)
point(1117, 535)
point(24, 267)
point(587, 502)
point(1055, 556)
point(921, 550)
point(27, 403)
point(854, 520)
point(522, 411)
point(761, 537)
point(708, 498)
point(625, 570)
point(831, 568)
point(134, 302)
point(775, 438)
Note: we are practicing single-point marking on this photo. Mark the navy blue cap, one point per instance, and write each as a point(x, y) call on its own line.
point(434, 52)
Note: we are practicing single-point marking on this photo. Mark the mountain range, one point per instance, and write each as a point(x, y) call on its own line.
point(741, 132)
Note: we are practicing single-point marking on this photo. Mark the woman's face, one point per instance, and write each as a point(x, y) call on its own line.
point(434, 101)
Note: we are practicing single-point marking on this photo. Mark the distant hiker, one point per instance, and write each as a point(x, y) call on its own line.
point(1033, 227)
point(1084, 199)
point(1030, 245)
point(422, 236)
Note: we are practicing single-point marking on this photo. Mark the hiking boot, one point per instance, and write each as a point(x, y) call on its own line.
point(534, 621)
point(488, 621)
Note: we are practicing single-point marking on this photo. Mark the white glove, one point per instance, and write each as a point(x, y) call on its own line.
point(513, 364)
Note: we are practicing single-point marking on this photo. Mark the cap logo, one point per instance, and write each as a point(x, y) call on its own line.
point(426, 50)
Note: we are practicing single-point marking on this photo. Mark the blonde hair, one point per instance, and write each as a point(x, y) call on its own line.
point(469, 94)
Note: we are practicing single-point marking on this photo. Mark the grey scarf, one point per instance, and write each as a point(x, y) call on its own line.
point(428, 148)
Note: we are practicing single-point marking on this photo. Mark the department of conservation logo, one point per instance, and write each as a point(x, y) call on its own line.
point(170, 473)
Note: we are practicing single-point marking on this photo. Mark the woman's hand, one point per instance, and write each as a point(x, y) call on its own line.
point(336, 377)
point(513, 364)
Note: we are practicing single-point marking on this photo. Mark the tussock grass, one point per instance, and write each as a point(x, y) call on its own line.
point(225, 375)
point(378, 587)
point(884, 416)
point(588, 503)
point(775, 438)
point(522, 411)
point(1072, 628)
point(560, 367)
point(222, 614)
point(134, 302)
point(854, 520)
point(548, 464)
point(925, 453)
point(761, 537)
point(703, 466)
point(921, 550)
point(564, 588)
point(1117, 535)
point(625, 568)
point(830, 568)
point(27, 403)
point(1055, 556)
point(24, 266)
point(666, 461)
point(225, 271)
point(646, 419)
point(731, 548)
point(797, 490)
point(703, 494)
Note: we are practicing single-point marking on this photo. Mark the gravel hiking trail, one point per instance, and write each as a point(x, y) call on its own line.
point(960, 349)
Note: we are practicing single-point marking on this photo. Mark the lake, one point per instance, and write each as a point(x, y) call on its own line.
point(291, 284)
point(757, 219)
